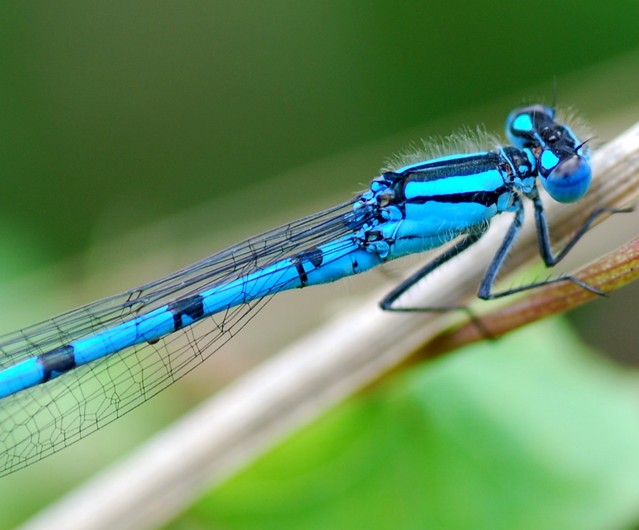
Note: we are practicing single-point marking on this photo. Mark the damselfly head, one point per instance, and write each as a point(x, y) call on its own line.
point(562, 160)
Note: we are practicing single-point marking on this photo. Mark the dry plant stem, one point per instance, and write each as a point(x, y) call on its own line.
point(345, 355)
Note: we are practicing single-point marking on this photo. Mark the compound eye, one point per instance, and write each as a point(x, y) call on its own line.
point(523, 125)
point(520, 128)
point(565, 179)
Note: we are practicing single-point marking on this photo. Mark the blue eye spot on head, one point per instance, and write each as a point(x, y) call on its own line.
point(523, 122)
point(548, 160)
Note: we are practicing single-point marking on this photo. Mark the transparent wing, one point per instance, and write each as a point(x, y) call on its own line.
point(41, 420)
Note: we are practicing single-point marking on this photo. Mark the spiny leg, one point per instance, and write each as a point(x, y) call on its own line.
point(545, 249)
point(543, 234)
point(387, 302)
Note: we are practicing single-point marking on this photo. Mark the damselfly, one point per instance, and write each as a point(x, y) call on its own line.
point(65, 377)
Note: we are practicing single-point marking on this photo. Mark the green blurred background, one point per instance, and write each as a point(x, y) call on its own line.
point(138, 136)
